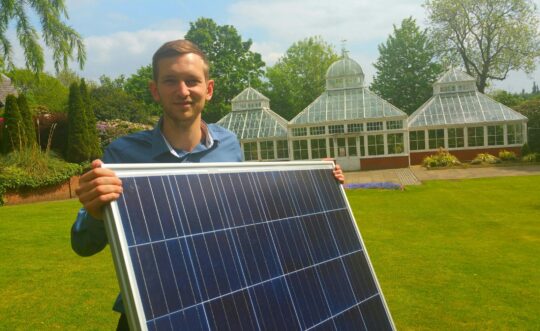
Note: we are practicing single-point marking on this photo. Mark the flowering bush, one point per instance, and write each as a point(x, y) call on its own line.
point(507, 155)
point(441, 159)
point(110, 130)
point(485, 158)
point(531, 157)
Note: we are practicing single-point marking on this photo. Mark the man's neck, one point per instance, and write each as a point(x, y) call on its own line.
point(184, 136)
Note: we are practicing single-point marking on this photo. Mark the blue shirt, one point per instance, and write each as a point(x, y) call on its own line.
point(88, 235)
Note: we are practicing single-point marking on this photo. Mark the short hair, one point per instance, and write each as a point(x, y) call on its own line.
point(176, 48)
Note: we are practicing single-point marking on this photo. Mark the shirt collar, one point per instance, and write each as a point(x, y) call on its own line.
point(160, 144)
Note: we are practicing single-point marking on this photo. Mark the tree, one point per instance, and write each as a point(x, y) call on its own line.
point(92, 137)
point(77, 148)
point(232, 63)
point(110, 101)
point(508, 99)
point(531, 109)
point(12, 133)
point(41, 89)
point(299, 76)
point(489, 37)
point(406, 67)
point(29, 133)
point(535, 89)
point(61, 38)
point(137, 86)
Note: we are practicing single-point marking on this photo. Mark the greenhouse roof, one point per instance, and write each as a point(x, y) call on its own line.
point(347, 105)
point(345, 98)
point(251, 118)
point(455, 75)
point(462, 108)
point(459, 102)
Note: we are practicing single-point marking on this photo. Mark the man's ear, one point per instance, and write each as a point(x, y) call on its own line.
point(152, 86)
point(209, 89)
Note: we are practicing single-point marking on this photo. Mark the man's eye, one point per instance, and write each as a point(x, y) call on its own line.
point(192, 82)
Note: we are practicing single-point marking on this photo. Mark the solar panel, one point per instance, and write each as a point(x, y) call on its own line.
point(241, 246)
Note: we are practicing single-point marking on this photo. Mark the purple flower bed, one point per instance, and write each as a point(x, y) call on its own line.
point(374, 185)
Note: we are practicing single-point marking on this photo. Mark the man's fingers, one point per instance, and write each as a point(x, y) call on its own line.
point(95, 207)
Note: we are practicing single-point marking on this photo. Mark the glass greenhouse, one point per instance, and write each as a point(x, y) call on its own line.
point(460, 117)
point(360, 130)
point(262, 133)
point(348, 122)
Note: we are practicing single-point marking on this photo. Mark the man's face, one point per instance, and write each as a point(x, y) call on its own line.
point(181, 88)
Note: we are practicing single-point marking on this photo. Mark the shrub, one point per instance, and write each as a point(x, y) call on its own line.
point(110, 130)
point(30, 169)
point(485, 158)
point(441, 159)
point(531, 157)
point(525, 149)
point(505, 155)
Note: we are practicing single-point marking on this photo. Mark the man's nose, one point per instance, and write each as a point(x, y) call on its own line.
point(183, 89)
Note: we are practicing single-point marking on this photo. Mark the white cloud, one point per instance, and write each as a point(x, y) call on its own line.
point(355, 20)
point(124, 52)
point(360, 24)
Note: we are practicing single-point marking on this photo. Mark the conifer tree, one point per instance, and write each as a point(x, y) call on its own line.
point(13, 127)
point(93, 143)
point(29, 135)
point(77, 148)
point(406, 67)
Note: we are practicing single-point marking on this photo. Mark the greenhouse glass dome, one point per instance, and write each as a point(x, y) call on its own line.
point(349, 122)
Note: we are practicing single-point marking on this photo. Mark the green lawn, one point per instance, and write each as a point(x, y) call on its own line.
point(448, 254)
point(456, 255)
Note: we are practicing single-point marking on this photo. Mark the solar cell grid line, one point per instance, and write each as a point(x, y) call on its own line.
point(241, 246)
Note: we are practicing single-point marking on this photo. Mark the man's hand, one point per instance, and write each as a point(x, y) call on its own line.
point(338, 174)
point(98, 187)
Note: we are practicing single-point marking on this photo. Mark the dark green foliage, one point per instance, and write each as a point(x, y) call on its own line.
point(13, 131)
point(531, 109)
point(405, 68)
point(40, 90)
point(77, 147)
point(535, 89)
point(29, 135)
point(508, 99)
point(299, 77)
point(137, 87)
point(232, 63)
point(525, 149)
point(110, 101)
point(92, 137)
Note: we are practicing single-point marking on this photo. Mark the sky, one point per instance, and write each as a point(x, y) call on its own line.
point(122, 35)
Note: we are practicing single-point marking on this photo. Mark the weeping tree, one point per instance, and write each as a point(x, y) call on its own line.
point(65, 43)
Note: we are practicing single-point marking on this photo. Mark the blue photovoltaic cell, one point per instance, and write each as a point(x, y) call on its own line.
point(260, 250)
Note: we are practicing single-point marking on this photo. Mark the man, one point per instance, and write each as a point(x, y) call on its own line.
point(181, 85)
